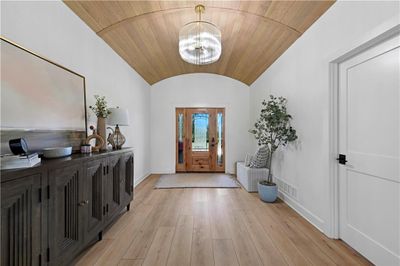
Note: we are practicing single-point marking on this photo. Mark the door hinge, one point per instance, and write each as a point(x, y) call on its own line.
point(342, 159)
point(40, 194)
point(48, 254)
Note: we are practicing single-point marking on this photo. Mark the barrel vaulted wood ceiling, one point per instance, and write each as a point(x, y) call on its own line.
point(145, 33)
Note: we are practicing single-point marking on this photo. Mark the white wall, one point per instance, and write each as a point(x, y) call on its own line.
point(51, 29)
point(198, 90)
point(301, 74)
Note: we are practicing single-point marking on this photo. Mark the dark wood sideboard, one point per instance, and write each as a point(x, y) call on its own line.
point(51, 212)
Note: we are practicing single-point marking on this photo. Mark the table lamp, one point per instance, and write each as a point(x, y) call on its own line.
point(118, 117)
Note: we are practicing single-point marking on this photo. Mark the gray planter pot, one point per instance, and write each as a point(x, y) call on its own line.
point(268, 193)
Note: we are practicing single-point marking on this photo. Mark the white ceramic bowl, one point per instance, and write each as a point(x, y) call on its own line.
point(57, 152)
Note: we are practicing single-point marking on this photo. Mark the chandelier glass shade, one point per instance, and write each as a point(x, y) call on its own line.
point(200, 41)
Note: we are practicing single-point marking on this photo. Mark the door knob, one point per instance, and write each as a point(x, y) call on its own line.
point(342, 159)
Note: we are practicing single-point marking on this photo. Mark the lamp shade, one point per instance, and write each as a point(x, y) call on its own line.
point(118, 116)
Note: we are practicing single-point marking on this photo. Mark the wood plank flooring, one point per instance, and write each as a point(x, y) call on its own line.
point(213, 227)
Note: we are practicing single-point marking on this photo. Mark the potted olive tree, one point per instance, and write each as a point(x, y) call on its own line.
point(272, 129)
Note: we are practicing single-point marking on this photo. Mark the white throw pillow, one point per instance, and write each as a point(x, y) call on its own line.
point(260, 158)
point(248, 160)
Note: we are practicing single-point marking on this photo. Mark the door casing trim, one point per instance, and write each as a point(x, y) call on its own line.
point(387, 30)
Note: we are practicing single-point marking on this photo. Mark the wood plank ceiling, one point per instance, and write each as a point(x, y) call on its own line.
point(145, 33)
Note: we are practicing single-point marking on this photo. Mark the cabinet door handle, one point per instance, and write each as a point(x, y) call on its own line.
point(107, 208)
point(104, 210)
point(104, 170)
point(83, 203)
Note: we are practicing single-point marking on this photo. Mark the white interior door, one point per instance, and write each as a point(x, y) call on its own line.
point(369, 133)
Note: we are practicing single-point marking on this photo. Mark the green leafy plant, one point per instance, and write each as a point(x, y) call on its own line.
point(273, 128)
point(100, 107)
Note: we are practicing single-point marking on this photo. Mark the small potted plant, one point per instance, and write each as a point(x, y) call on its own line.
point(272, 129)
point(101, 111)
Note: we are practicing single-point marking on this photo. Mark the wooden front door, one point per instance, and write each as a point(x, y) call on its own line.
point(200, 140)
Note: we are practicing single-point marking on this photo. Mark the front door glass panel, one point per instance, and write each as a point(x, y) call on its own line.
point(220, 154)
point(200, 128)
point(180, 138)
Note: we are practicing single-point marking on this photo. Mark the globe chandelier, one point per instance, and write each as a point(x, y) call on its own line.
point(200, 41)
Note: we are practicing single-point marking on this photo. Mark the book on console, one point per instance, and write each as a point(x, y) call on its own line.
point(19, 161)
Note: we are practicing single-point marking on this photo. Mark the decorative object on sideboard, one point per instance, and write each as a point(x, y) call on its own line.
point(99, 140)
point(102, 112)
point(110, 139)
point(18, 146)
point(86, 148)
point(9, 161)
point(59, 152)
point(118, 117)
point(273, 130)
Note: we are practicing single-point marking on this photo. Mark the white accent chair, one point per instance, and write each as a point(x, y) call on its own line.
point(249, 177)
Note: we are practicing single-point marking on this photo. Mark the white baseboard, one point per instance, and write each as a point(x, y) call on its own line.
point(140, 179)
point(300, 209)
point(163, 172)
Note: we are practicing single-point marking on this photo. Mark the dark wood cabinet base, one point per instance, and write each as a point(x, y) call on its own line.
point(53, 211)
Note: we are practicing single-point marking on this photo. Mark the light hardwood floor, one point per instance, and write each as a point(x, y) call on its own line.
point(213, 227)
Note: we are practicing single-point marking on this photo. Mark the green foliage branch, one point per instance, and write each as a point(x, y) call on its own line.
point(100, 107)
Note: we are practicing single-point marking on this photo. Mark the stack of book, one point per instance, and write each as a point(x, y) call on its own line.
point(19, 161)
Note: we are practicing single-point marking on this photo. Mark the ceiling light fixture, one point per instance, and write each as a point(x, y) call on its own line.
point(200, 41)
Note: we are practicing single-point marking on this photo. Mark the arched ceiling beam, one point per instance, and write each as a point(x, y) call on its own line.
point(171, 10)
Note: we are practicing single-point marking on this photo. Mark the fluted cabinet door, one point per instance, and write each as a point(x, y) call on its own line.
point(21, 216)
point(67, 206)
point(94, 171)
point(127, 180)
point(112, 189)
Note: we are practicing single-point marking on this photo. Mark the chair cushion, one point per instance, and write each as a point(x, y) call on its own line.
point(260, 158)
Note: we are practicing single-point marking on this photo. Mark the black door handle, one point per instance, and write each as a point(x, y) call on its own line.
point(342, 159)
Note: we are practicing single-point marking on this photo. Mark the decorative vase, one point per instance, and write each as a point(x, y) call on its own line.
point(101, 131)
point(267, 192)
